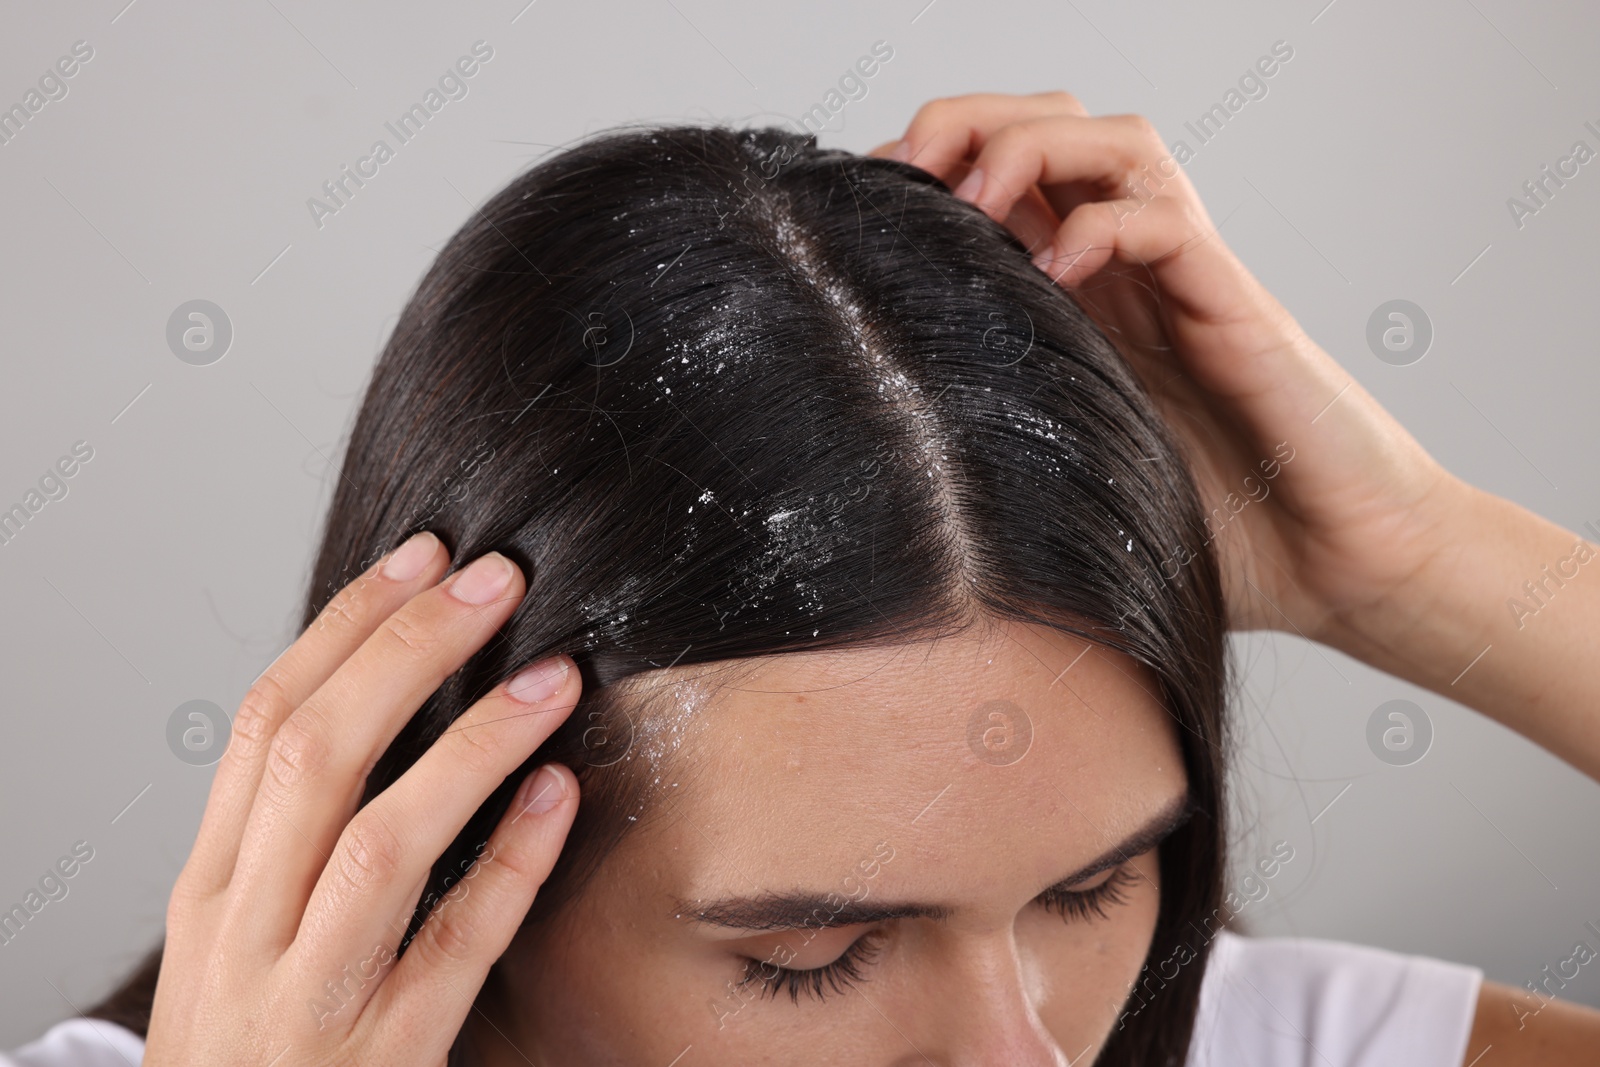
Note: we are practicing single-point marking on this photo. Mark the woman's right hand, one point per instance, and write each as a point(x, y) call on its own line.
point(1364, 542)
point(1335, 541)
point(283, 926)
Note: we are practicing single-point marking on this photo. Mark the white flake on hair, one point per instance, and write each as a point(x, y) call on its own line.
point(919, 417)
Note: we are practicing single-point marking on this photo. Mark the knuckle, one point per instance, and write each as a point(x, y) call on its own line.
point(1179, 212)
point(455, 939)
point(347, 605)
point(1144, 131)
point(259, 711)
point(183, 902)
point(337, 610)
point(370, 853)
point(298, 751)
point(524, 864)
point(1015, 139)
point(478, 747)
point(410, 632)
point(935, 113)
point(1066, 100)
point(1007, 138)
point(177, 913)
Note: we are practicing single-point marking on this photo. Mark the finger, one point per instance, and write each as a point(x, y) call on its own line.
point(338, 630)
point(1099, 158)
point(1170, 236)
point(951, 130)
point(445, 966)
point(317, 764)
point(366, 892)
point(1033, 221)
point(1090, 236)
point(1254, 346)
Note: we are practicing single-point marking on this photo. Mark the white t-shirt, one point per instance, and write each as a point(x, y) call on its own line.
point(1304, 1002)
point(1264, 1002)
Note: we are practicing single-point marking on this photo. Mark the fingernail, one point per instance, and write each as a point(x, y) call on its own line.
point(482, 581)
point(1045, 256)
point(407, 561)
point(541, 791)
point(970, 186)
point(538, 683)
point(902, 152)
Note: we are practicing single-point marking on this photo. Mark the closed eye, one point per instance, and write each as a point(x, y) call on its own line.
point(818, 982)
point(1078, 904)
point(1068, 898)
point(852, 964)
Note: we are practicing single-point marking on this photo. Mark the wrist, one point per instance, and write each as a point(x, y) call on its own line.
point(1499, 617)
point(1453, 545)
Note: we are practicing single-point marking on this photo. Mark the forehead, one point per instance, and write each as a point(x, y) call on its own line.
point(1007, 746)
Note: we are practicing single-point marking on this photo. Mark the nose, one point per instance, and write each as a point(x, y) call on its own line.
point(982, 1009)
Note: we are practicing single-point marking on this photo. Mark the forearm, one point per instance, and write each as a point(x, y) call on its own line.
point(1504, 618)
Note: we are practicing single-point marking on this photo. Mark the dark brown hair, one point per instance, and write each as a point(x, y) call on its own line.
point(725, 394)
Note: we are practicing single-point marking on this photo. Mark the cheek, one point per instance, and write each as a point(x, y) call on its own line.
point(582, 999)
point(1087, 968)
point(604, 991)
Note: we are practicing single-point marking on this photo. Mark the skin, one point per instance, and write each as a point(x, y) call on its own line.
point(803, 773)
point(1365, 544)
point(287, 888)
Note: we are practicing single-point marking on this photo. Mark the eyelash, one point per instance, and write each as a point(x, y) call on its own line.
point(847, 970)
point(817, 982)
point(1084, 903)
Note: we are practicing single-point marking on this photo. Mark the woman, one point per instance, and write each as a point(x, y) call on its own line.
point(854, 574)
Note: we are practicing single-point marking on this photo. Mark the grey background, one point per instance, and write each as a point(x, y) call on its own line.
point(1377, 167)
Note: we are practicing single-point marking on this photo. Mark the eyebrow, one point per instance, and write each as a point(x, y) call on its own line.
point(808, 910)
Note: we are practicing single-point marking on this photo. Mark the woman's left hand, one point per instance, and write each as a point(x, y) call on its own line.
point(1322, 506)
